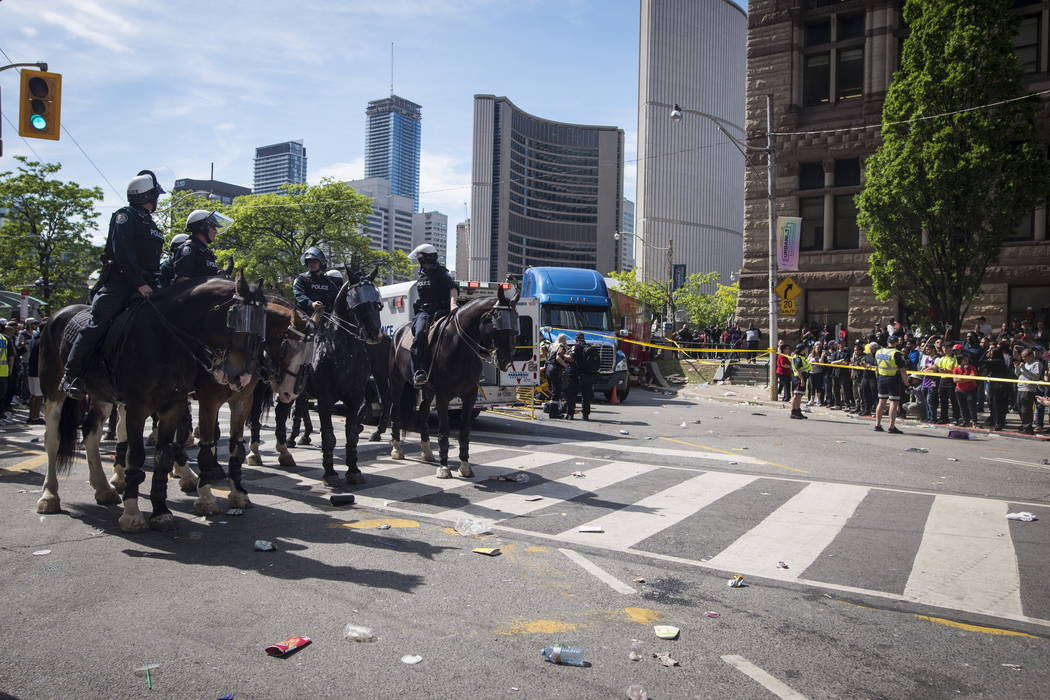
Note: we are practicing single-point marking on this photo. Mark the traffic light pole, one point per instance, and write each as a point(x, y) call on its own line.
point(39, 66)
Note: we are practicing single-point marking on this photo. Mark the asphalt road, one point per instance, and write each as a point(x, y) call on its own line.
point(904, 578)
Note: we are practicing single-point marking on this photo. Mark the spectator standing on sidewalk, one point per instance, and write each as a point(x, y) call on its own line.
point(817, 359)
point(800, 368)
point(5, 374)
point(893, 377)
point(1027, 369)
point(868, 385)
point(928, 385)
point(996, 364)
point(946, 385)
point(752, 336)
point(966, 391)
point(36, 396)
point(783, 372)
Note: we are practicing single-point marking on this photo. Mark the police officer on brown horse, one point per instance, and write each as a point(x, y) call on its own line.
point(131, 264)
point(437, 296)
point(195, 258)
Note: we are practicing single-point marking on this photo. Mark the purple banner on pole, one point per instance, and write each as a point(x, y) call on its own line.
point(789, 234)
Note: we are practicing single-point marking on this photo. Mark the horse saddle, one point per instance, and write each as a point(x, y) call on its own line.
point(113, 334)
point(433, 330)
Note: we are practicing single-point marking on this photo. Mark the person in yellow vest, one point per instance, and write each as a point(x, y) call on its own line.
point(893, 378)
point(800, 369)
point(5, 372)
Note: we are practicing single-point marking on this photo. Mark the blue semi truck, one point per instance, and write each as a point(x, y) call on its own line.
point(574, 299)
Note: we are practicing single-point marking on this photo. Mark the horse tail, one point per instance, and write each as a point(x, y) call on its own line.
point(263, 398)
point(68, 423)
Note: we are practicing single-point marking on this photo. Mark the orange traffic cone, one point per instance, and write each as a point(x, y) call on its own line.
point(613, 398)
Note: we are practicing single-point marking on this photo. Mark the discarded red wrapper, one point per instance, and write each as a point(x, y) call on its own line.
point(291, 644)
point(712, 613)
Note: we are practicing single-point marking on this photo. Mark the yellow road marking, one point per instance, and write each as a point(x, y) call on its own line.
point(374, 523)
point(975, 628)
point(26, 464)
point(536, 627)
point(536, 548)
point(643, 616)
point(734, 454)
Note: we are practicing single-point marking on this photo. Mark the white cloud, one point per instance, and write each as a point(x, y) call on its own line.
point(76, 26)
point(29, 31)
point(352, 170)
point(444, 184)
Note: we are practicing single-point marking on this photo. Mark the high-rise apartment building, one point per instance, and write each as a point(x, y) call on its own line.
point(627, 236)
point(462, 240)
point(690, 177)
point(545, 193)
point(828, 66)
point(390, 225)
point(392, 145)
point(279, 164)
point(431, 227)
point(220, 191)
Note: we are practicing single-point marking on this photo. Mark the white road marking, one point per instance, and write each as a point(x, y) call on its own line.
point(622, 446)
point(796, 532)
point(598, 572)
point(628, 526)
point(966, 559)
point(773, 685)
point(528, 460)
point(1004, 460)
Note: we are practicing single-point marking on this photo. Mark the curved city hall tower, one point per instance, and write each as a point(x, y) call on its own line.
point(690, 178)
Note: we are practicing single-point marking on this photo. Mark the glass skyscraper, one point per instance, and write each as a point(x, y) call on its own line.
point(279, 164)
point(392, 144)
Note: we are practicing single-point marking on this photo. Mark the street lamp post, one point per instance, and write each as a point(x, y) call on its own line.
point(771, 156)
point(670, 262)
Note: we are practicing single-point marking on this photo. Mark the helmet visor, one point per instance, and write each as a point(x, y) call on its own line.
point(219, 221)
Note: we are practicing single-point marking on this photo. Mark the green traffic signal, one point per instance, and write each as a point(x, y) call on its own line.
point(38, 122)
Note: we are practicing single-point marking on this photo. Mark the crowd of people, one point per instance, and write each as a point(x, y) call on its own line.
point(19, 380)
point(835, 374)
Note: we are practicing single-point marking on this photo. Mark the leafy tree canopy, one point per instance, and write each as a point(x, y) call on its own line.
point(705, 308)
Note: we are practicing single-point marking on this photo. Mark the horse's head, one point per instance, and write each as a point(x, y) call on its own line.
point(360, 305)
point(239, 361)
point(289, 350)
point(499, 326)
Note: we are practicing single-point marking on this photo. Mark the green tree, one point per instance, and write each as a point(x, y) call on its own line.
point(271, 231)
point(45, 240)
point(704, 307)
point(172, 211)
point(653, 294)
point(942, 194)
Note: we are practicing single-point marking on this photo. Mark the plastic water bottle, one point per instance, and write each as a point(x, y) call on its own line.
point(569, 656)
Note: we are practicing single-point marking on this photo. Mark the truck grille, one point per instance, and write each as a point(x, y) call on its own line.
point(608, 358)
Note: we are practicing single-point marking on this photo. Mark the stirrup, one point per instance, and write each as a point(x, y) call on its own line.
point(419, 379)
point(71, 387)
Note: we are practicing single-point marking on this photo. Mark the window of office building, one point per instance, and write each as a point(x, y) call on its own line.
point(847, 172)
point(847, 233)
point(1026, 44)
point(850, 73)
point(810, 176)
point(836, 41)
point(827, 306)
point(811, 209)
point(817, 78)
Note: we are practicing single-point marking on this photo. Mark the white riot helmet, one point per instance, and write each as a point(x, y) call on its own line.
point(424, 253)
point(335, 274)
point(200, 220)
point(144, 188)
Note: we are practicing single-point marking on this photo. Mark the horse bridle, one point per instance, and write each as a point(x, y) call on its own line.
point(308, 339)
point(364, 292)
point(502, 320)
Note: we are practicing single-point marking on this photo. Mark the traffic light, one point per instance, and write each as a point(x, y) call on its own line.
point(40, 105)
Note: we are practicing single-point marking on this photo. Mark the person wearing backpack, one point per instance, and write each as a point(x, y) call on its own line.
point(579, 377)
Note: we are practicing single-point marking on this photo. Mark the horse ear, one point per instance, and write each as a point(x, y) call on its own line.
point(242, 285)
point(260, 287)
point(375, 273)
point(229, 268)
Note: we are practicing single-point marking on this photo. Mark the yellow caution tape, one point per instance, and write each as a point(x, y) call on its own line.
point(675, 347)
point(915, 373)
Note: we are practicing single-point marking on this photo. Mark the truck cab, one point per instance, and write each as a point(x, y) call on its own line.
point(575, 300)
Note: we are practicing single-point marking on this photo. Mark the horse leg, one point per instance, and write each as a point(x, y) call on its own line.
point(207, 457)
point(187, 479)
point(240, 407)
point(163, 460)
point(442, 411)
point(49, 501)
point(465, 419)
point(281, 411)
point(423, 416)
point(396, 397)
point(105, 495)
point(352, 432)
point(324, 415)
point(135, 423)
point(255, 422)
point(120, 459)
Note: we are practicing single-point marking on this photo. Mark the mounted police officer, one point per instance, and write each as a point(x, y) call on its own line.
point(314, 290)
point(132, 261)
point(195, 257)
point(166, 278)
point(437, 296)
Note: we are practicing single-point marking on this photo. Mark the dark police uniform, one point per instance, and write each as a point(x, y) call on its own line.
point(133, 249)
point(434, 287)
point(579, 384)
point(195, 259)
point(166, 276)
point(309, 288)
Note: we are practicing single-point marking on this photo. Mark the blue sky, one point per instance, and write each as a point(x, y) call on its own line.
point(174, 86)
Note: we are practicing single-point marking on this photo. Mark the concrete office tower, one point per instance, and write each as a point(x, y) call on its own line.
point(431, 227)
point(690, 178)
point(462, 239)
point(392, 145)
point(279, 164)
point(627, 236)
point(217, 190)
point(544, 192)
point(390, 225)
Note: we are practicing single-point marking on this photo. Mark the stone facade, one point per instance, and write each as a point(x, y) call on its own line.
point(806, 54)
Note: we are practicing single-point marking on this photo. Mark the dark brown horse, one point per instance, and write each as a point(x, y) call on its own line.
point(150, 361)
point(462, 341)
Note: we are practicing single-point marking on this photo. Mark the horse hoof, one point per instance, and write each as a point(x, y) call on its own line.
point(355, 478)
point(286, 460)
point(188, 485)
point(397, 454)
point(117, 484)
point(237, 499)
point(48, 505)
point(109, 497)
point(164, 522)
point(428, 454)
point(254, 461)
point(443, 473)
point(332, 480)
point(375, 437)
point(133, 523)
point(464, 469)
point(306, 440)
point(290, 443)
point(205, 507)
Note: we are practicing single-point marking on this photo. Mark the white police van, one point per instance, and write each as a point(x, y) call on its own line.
point(496, 389)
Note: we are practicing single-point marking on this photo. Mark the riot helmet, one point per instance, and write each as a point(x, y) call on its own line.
point(314, 253)
point(176, 242)
point(200, 220)
point(335, 274)
point(423, 254)
point(144, 188)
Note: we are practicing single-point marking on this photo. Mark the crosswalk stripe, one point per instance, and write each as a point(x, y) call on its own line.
point(565, 489)
point(796, 533)
point(967, 558)
point(628, 526)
